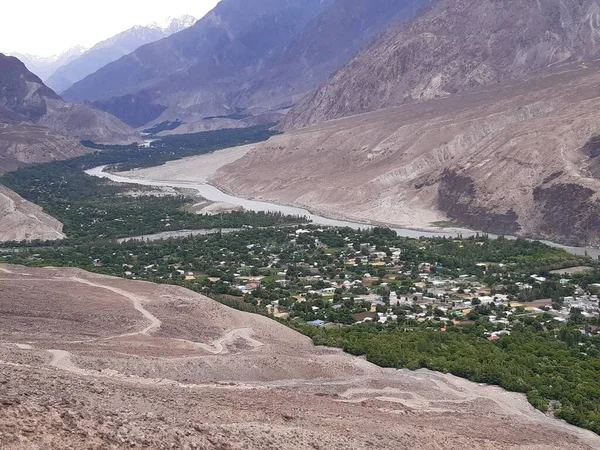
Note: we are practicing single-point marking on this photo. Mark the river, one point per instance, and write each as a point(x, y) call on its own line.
point(213, 194)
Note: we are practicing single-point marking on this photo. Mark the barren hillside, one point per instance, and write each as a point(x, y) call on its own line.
point(455, 46)
point(23, 143)
point(23, 93)
point(21, 220)
point(513, 158)
point(90, 361)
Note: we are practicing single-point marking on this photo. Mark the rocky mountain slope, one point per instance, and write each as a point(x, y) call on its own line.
point(44, 67)
point(457, 45)
point(90, 361)
point(243, 62)
point(112, 49)
point(21, 220)
point(23, 143)
point(514, 158)
point(37, 126)
point(25, 94)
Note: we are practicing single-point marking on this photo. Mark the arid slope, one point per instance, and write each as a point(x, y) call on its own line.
point(22, 220)
point(515, 158)
point(89, 361)
point(23, 93)
point(455, 46)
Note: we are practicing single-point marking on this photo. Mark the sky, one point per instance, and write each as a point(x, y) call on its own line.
point(49, 27)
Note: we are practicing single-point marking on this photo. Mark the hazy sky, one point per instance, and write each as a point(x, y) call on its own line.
point(48, 27)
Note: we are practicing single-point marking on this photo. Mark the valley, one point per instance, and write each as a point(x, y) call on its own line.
point(371, 283)
point(300, 224)
point(496, 159)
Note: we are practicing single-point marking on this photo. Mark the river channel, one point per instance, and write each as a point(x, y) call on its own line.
point(213, 194)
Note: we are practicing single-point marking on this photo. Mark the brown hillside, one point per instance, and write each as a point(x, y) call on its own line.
point(516, 158)
point(455, 46)
point(89, 361)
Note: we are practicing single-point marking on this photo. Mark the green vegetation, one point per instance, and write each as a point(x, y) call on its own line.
point(171, 148)
point(164, 126)
point(558, 371)
point(91, 208)
point(445, 224)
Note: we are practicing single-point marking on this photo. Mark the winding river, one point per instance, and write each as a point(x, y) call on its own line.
point(213, 194)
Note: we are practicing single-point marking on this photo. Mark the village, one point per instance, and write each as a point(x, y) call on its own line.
point(341, 277)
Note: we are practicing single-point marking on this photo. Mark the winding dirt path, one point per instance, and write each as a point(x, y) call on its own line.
point(219, 346)
point(137, 302)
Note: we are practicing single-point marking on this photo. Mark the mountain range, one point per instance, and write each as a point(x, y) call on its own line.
point(112, 49)
point(406, 112)
point(457, 45)
point(45, 66)
point(239, 62)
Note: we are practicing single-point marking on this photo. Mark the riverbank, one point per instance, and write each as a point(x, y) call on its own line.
point(214, 194)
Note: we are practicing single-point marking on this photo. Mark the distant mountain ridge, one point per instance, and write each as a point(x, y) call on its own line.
point(44, 67)
point(114, 48)
point(257, 58)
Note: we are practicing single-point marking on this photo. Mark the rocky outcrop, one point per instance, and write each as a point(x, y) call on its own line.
point(501, 159)
point(569, 209)
point(455, 46)
point(457, 197)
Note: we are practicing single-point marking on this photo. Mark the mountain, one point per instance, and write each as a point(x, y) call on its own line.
point(22, 141)
point(323, 46)
point(24, 94)
point(174, 25)
point(44, 67)
point(242, 62)
point(112, 49)
point(457, 45)
point(518, 158)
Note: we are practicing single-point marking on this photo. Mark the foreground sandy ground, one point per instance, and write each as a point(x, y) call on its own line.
point(94, 362)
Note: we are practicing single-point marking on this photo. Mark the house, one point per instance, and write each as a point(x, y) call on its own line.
point(365, 316)
point(486, 300)
point(378, 264)
point(317, 323)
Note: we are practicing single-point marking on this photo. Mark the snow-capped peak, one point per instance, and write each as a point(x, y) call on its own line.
point(175, 24)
